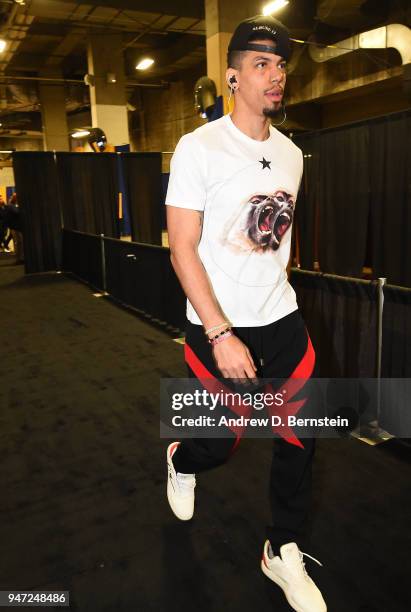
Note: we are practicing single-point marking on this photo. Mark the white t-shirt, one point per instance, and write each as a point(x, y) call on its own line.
point(247, 189)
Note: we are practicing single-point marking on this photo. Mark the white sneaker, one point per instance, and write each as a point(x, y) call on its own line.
point(288, 571)
point(180, 488)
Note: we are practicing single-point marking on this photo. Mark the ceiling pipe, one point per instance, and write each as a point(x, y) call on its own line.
point(8, 77)
point(162, 85)
point(393, 35)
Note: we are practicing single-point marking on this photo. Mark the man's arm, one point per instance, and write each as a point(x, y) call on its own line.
point(232, 357)
point(184, 232)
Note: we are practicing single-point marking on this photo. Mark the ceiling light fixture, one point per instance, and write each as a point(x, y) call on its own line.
point(274, 7)
point(145, 63)
point(80, 133)
point(3, 45)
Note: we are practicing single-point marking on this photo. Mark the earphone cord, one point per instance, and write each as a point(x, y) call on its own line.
point(283, 121)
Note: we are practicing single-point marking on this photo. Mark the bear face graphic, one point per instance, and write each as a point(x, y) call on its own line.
point(262, 223)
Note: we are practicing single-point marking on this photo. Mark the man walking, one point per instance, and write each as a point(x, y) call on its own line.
point(231, 198)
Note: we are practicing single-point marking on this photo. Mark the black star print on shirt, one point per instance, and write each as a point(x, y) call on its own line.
point(266, 164)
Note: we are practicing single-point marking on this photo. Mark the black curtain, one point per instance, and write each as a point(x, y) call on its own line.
point(88, 190)
point(36, 186)
point(142, 175)
point(390, 154)
point(396, 362)
point(344, 200)
point(341, 319)
point(334, 200)
point(307, 207)
point(355, 198)
point(396, 341)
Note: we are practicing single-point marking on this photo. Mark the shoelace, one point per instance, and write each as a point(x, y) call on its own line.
point(302, 555)
point(186, 482)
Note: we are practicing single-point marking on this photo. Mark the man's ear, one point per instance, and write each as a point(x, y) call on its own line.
point(232, 79)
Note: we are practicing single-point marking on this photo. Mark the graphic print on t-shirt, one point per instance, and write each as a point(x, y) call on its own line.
point(263, 221)
point(248, 226)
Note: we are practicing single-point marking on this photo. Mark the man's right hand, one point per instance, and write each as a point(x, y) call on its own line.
point(233, 359)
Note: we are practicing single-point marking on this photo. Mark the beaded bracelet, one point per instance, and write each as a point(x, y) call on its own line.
point(219, 334)
point(212, 329)
point(221, 337)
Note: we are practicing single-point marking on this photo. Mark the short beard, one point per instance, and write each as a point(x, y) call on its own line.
point(273, 113)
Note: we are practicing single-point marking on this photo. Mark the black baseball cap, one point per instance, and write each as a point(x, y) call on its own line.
point(268, 27)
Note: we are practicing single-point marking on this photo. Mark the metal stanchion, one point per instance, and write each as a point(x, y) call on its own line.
point(371, 433)
point(380, 301)
point(103, 269)
point(103, 263)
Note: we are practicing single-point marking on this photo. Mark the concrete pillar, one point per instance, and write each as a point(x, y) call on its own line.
point(108, 99)
point(222, 17)
point(53, 112)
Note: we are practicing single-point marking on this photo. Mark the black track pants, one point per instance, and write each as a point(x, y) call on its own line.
point(280, 350)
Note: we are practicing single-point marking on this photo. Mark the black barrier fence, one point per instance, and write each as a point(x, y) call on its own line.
point(141, 276)
point(137, 275)
point(396, 340)
point(83, 257)
point(341, 315)
point(359, 328)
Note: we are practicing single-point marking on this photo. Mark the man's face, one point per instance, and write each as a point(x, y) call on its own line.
point(262, 78)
